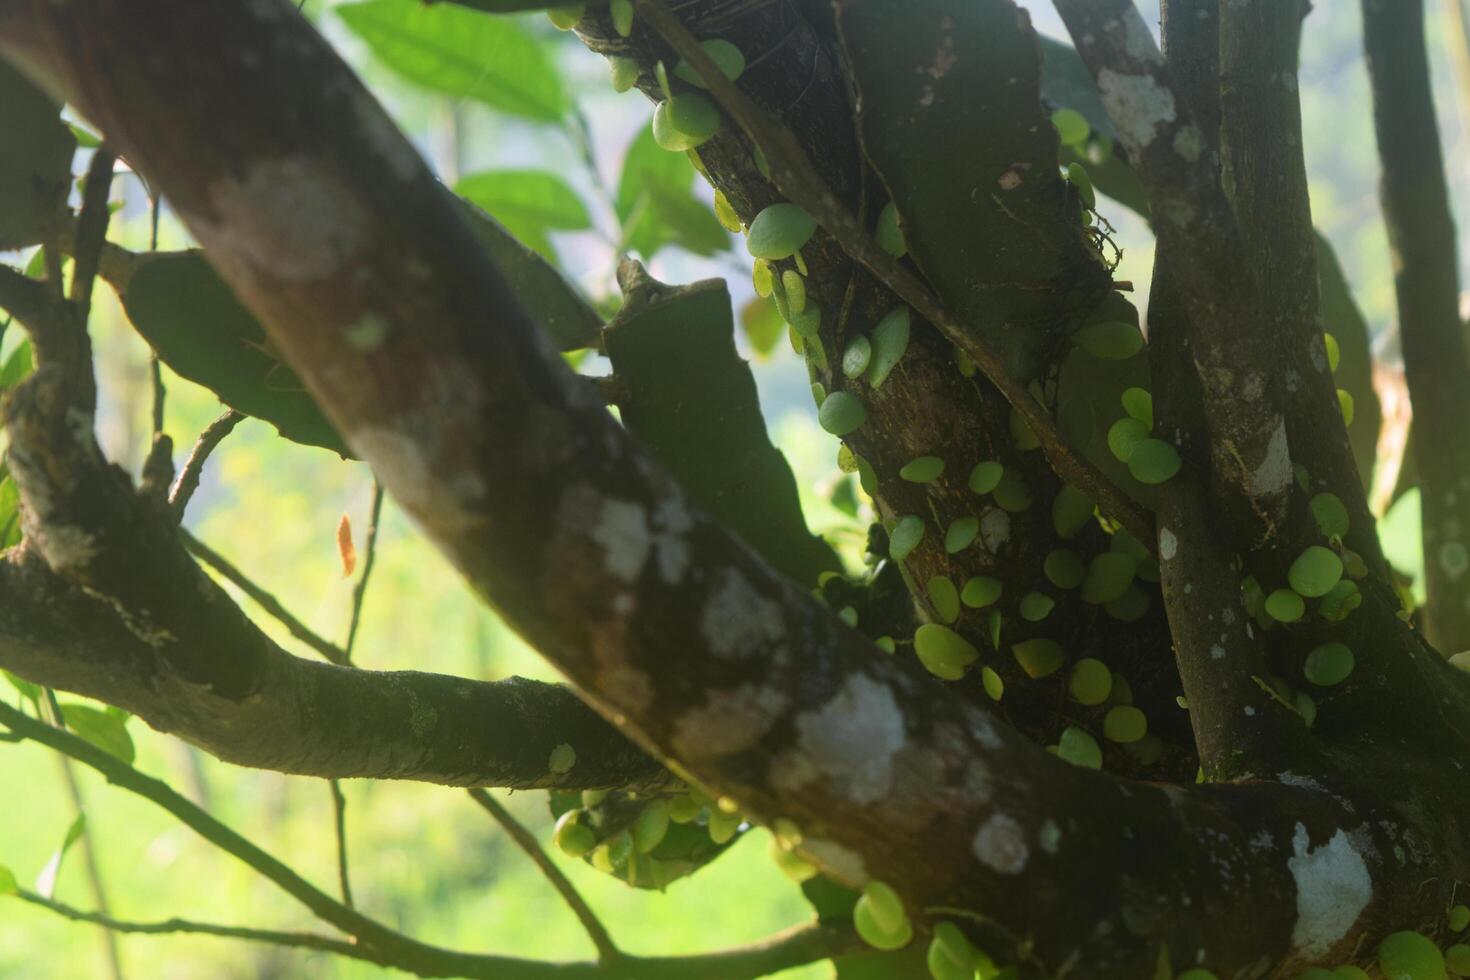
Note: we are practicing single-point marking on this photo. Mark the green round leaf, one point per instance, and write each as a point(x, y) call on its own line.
point(980, 591)
point(778, 231)
point(1315, 571)
point(905, 537)
point(1108, 577)
point(1091, 681)
point(1124, 436)
point(985, 477)
point(995, 687)
point(1139, 404)
point(855, 359)
point(1039, 657)
point(1012, 493)
point(1328, 664)
point(873, 933)
point(1331, 515)
point(943, 652)
point(1064, 568)
point(890, 341)
point(571, 836)
point(1110, 340)
point(1036, 606)
point(944, 597)
point(1077, 176)
point(1410, 956)
point(950, 955)
point(1071, 511)
point(1079, 748)
point(1285, 606)
point(841, 413)
point(684, 122)
point(1153, 461)
point(924, 469)
point(888, 232)
point(961, 534)
point(1124, 723)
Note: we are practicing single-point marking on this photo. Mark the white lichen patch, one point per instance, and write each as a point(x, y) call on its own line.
point(729, 721)
point(439, 499)
point(852, 739)
point(995, 530)
point(672, 521)
point(1189, 144)
point(289, 219)
point(737, 621)
point(1272, 475)
point(1168, 544)
point(623, 534)
point(1332, 889)
point(1137, 40)
point(1137, 104)
point(1000, 844)
point(367, 332)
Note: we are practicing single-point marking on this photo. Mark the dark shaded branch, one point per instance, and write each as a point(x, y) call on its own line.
point(91, 228)
point(262, 598)
point(1421, 233)
point(188, 481)
point(309, 718)
point(339, 826)
point(607, 952)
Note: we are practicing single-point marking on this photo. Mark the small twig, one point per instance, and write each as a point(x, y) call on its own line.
point(606, 951)
point(188, 481)
point(370, 550)
point(91, 229)
point(301, 940)
point(262, 598)
point(339, 808)
point(799, 180)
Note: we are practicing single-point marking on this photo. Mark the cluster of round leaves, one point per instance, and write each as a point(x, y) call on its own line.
point(687, 119)
point(1402, 955)
point(1150, 460)
point(576, 835)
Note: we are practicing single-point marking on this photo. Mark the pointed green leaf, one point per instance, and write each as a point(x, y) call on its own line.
point(103, 729)
point(529, 203)
point(692, 401)
point(459, 52)
point(46, 880)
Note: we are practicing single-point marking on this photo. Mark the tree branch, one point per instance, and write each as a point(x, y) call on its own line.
point(382, 945)
point(263, 599)
point(1421, 232)
point(188, 479)
point(298, 716)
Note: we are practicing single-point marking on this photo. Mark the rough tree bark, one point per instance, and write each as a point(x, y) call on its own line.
point(322, 218)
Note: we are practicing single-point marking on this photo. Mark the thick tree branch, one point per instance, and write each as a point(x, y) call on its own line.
point(309, 718)
point(1421, 232)
point(1237, 358)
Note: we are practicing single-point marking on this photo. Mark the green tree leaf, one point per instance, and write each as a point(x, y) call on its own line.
point(35, 167)
point(104, 729)
point(46, 880)
point(692, 401)
point(17, 366)
point(529, 203)
point(9, 510)
point(459, 52)
point(200, 330)
point(656, 205)
point(31, 692)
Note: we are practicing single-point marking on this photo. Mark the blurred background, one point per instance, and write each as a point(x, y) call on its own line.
point(425, 859)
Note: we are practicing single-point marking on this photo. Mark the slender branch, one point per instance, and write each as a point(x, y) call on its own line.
point(92, 228)
point(607, 952)
point(301, 940)
point(370, 552)
point(800, 181)
point(262, 598)
point(1421, 233)
point(21, 296)
point(376, 942)
point(155, 366)
point(339, 810)
point(188, 479)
